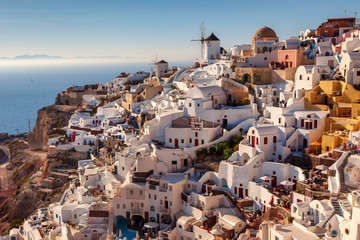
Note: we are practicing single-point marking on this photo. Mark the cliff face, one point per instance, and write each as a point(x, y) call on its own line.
point(48, 124)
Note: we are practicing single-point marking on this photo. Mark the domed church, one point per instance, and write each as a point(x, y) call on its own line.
point(264, 34)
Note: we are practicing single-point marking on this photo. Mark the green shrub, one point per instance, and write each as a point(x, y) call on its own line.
point(212, 150)
point(227, 153)
point(245, 102)
point(204, 151)
point(15, 223)
point(290, 219)
point(198, 153)
point(220, 147)
point(235, 140)
point(173, 87)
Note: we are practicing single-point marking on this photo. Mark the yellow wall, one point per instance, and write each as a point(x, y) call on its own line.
point(263, 72)
point(331, 141)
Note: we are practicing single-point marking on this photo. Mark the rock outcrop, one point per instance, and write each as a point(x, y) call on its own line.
point(49, 122)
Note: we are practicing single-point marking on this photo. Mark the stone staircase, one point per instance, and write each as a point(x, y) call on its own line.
point(337, 211)
point(343, 188)
point(237, 211)
point(342, 181)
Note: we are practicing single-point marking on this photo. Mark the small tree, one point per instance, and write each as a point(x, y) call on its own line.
point(212, 150)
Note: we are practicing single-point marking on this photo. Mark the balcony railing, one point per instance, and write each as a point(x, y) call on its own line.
point(137, 210)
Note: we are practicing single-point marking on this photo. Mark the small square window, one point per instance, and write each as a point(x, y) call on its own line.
point(170, 140)
point(124, 206)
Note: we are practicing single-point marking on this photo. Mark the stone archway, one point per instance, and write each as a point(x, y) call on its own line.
point(246, 78)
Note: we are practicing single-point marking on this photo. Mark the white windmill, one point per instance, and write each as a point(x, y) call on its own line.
point(201, 40)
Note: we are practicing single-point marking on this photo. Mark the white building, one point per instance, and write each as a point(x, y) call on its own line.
point(188, 132)
point(350, 67)
point(308, 76)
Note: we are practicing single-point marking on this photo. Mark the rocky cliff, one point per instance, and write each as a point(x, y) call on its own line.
point(49, 122)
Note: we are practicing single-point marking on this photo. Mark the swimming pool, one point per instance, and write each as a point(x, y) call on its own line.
point(120, 224)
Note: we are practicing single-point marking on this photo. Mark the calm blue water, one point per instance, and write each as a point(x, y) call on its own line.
point(20, 98)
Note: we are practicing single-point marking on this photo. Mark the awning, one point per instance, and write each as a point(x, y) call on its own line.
point(345, 122)
point(266, 178)
point(287, 183)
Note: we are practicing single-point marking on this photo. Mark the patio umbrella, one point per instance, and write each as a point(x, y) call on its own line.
point(151, 225)
point(321, 167)
point(217, 232)
point(287, 183)
point(266, 178)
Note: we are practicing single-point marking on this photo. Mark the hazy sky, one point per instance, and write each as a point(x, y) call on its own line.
point(141, 29)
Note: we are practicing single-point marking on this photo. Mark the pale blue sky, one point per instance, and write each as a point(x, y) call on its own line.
point(143, 28)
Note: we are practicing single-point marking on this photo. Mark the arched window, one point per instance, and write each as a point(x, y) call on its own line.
point(287, 57)
point(274, 139)
point(152, 208)
point(265, 140)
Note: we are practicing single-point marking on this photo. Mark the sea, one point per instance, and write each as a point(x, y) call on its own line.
point(26, 89)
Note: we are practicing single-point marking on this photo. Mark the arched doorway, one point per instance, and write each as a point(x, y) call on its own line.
point(244, 158)
point(223, 183)
point(247, 78)
point(305, 143)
